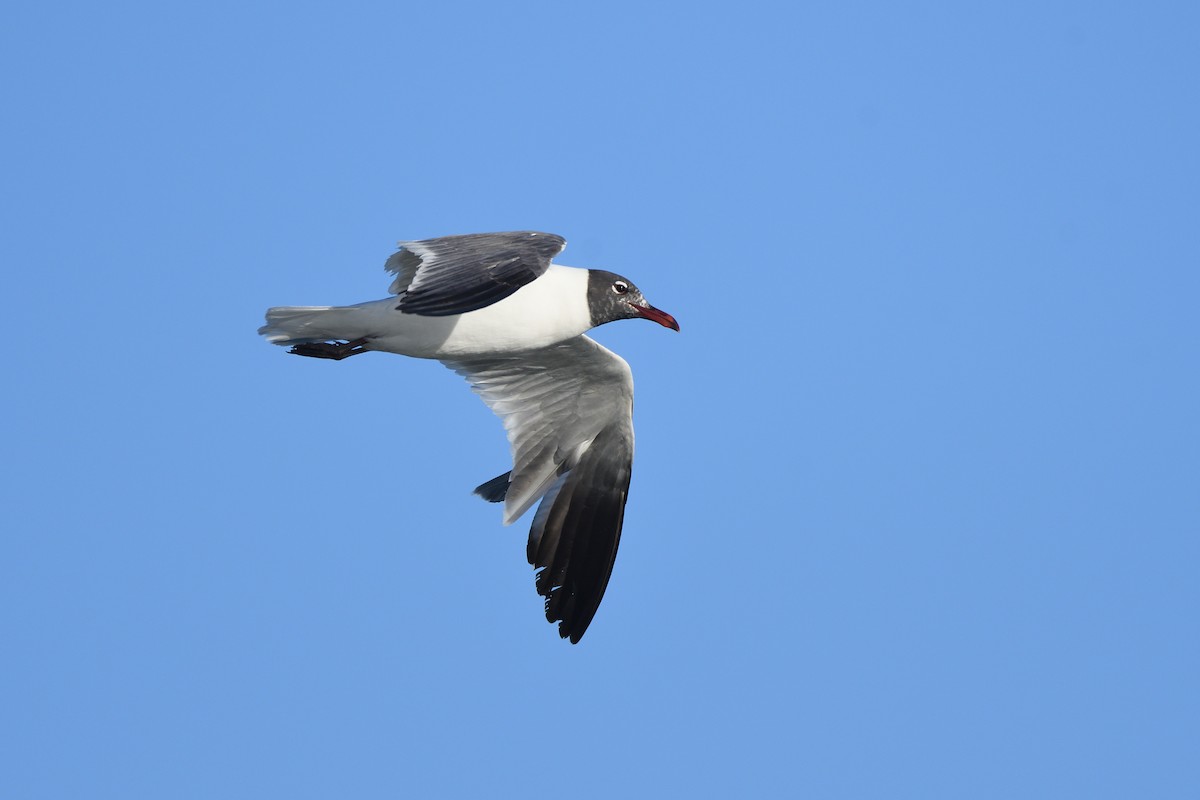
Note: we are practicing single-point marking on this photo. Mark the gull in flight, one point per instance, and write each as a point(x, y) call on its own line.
point(494, 309)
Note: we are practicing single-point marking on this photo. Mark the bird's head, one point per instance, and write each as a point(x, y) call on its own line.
point(611, 297)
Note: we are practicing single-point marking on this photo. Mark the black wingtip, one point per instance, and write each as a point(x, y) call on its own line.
point(577, 529)
point(495, 490)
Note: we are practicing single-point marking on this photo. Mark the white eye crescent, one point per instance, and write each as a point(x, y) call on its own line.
point(620, 287)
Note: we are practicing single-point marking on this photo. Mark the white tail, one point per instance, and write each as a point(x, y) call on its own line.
point(287, 325)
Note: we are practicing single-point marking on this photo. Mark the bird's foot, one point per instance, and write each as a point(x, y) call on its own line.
point(335, 350)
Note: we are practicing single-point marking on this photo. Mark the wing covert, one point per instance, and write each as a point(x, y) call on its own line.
point(456, 274)
point(553, 403)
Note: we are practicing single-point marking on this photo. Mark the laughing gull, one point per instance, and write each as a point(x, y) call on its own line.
point(494, 309)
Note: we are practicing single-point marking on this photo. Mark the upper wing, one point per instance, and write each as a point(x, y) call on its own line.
point(457, 274)
point(568, 411)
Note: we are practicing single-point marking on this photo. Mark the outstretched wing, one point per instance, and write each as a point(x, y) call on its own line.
point(457, 274)
point(568, 410)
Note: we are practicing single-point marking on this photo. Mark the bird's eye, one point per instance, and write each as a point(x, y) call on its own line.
point(620, 287)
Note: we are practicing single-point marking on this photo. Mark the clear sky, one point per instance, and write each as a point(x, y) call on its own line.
point(916, 505)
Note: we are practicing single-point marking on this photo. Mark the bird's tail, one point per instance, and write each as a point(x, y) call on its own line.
point(288, 325)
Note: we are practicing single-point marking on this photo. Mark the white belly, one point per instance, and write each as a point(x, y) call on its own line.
point(551, 309)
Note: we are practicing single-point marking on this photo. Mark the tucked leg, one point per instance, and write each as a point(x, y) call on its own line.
point(335, 350)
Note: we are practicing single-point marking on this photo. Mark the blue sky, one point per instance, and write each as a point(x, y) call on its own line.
point(914, 510)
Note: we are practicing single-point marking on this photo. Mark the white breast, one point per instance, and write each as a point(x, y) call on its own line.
point(552, 308)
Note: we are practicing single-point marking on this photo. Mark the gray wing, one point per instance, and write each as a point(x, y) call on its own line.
point(457, 274)
point(568, 410)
